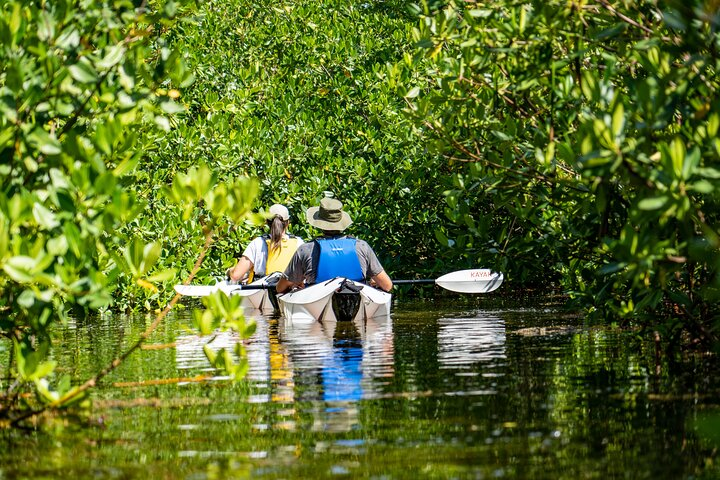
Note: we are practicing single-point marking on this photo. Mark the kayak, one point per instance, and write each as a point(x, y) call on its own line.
point(263, 299)
point(339, 299)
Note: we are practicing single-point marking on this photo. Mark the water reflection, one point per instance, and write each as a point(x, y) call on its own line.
point(465, 341)
point(329, 361)
point(342, 358)
point(437, 390)
point(336, 364)
point(189, 347)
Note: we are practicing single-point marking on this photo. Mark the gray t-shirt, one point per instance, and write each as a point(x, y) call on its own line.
point(303, 264)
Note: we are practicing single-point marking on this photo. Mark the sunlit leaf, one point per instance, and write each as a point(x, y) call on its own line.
point(114, 55)
point(708, 172)
point(479, 13)
point(618, 119)
point(44, 217)
point(43, 369)
point(83, 72)
point(20, 268)
point(677, 154)
point(653, 203)
point(414, 92)
point(162, 276)
point(702, 186)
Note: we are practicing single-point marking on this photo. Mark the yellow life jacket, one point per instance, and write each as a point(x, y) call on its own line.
point(279, 258)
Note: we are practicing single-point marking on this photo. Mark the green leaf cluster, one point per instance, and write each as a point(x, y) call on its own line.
point(86, 90)
point(224, 313)
point(583, 142)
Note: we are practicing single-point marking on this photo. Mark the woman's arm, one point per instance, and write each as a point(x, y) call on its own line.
point(241, 268)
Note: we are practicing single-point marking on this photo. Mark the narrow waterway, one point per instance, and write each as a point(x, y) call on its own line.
point(438, 390)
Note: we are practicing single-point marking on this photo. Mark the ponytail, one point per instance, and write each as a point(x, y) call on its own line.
point(277, 228)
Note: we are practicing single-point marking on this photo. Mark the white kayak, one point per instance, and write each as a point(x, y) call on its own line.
point(258, 296)
point(262, 299)
point(337, 299)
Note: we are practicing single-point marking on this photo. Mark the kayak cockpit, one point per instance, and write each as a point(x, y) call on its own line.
point(337, 299)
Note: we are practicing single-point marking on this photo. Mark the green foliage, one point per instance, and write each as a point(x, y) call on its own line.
point(304, 97)
point(583, 144)
point(86, 90)
point(72, 82)
point(225, 313)
point(574, 146)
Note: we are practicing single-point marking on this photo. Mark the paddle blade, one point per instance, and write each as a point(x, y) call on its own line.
point(205, 290)
point(195, 290)
point(228, 289)
point(471, 281)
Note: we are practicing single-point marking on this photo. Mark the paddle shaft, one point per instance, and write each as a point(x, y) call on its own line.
point(250, 287)
point(395, 282)
point(411, 282)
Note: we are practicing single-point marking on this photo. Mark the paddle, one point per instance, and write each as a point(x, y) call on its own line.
point(205, 290)
point(462, 281)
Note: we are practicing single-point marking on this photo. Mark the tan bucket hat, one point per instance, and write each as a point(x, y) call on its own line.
point(329, 215)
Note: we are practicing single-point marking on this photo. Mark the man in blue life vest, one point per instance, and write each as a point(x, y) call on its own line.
point(333, 254)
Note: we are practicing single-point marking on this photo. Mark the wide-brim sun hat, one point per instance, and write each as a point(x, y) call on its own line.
point(280, 211)
point(329, 215)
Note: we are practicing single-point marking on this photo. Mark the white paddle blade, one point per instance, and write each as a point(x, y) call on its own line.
point(195, 290)
point(471, 281)
point(205, 290)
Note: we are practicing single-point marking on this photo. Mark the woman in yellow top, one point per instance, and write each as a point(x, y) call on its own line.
point(269, 253)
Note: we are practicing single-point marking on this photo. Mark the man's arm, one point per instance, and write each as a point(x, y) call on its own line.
point(382, 280)
point(283, 285)
point(294, 274)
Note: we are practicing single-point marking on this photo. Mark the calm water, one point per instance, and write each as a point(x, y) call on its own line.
point(437, 391)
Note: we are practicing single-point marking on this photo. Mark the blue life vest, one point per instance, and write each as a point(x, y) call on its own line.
point(338, 258)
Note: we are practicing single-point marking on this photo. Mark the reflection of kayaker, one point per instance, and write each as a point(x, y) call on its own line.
point(342, 371)
point(281, 376)
point(341, 358)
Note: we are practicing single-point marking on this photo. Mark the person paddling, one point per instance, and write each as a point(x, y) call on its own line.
point(268, 253)
point(333, 254)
